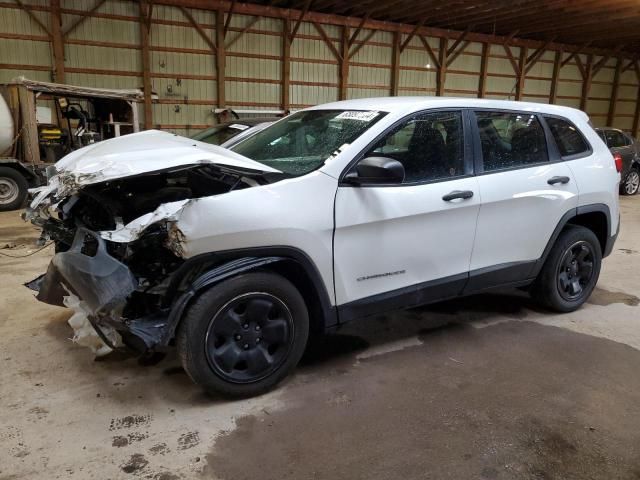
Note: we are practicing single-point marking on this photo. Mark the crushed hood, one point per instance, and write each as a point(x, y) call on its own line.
point(146, 152)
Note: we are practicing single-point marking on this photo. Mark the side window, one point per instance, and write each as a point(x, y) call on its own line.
point(568, 139)
point(430, 146)
point(510, 140)
point(615, 138)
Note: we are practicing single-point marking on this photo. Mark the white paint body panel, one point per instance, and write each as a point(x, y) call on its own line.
point(6, 127)
point(381, 231)
point(519, 212)
point(145, 152)
point(294, 213)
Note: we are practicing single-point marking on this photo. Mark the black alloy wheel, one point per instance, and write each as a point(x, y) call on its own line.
point(244, 335)
point(249, 337)
point(575, 271)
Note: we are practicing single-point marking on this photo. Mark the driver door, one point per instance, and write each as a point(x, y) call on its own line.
point(408, 243)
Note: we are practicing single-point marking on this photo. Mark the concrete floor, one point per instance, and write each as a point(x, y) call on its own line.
point(485, 387)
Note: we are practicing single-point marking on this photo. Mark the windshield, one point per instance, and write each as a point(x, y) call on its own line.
point(301, 142)
point(220, 134)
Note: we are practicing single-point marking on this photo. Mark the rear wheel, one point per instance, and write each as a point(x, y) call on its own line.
point(244, 335)
point(571, 270)
point(631, 182)
point(13, 189)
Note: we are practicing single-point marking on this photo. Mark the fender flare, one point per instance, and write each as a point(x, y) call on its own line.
point(566, 219)
point(254, 259)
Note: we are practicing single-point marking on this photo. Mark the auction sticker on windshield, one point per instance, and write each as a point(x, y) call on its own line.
point(355, 115)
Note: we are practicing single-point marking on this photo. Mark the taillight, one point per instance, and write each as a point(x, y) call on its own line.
point(618, 159)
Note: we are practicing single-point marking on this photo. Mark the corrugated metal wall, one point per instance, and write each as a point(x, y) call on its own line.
point(104, 51)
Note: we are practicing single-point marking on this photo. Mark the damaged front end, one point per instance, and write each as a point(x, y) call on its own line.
point(119, 248)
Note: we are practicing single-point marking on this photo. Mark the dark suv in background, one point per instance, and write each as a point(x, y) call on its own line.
point(628, 150)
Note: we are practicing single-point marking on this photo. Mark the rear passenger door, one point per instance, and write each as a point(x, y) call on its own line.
point(525, 189)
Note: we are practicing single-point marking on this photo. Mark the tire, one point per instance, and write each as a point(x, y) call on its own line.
point(241, 337)
point(630, 183)
point(13, 189)
point(564, 285)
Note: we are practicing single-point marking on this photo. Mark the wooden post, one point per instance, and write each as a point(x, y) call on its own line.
point(57, 42)
point(145, 26)
point(220, 59)
point(344, 63)
point(522, 64)
point(395, 64)
point(636, 116)
point(586, 83)
point(614, 92)
point(484, 62)
point(442, 68)
point(286, 63)
point(557, 65)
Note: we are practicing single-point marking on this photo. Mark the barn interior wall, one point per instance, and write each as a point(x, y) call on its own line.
point(104, 49)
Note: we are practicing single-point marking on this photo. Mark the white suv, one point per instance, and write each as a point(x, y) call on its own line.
point(333, 213)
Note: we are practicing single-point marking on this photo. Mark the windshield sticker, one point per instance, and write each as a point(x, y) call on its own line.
point(362, 116)
point(238, 126)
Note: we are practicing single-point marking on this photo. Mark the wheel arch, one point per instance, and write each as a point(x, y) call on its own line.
point(595, 217)
point(203, 271)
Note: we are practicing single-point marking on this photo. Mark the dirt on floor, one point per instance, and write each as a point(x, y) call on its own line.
point(485, 387)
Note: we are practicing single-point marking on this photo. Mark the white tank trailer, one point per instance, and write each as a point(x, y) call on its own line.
point(7, 130)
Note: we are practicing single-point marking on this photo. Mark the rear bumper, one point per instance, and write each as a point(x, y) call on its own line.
point(608, 248)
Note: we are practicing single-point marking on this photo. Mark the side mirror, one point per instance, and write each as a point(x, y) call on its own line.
point(376, 170)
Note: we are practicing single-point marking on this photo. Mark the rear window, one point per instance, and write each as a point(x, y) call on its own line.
point(568, 138)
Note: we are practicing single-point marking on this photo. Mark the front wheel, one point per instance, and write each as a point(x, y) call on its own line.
point(244, 335)
point(571, 270)
point(631, 182)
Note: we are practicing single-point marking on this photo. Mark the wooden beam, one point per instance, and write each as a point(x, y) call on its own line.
point(458, 41)
point(57, 41)
point(522, 61)
point(575, 54)
point(253, 9)
point(244, 30)
point(456, 54)
point(598, 66)
point(395, 64)
point(201, 31)
point(586, 84)
point(636, 116)
point(614, 93)
point(430, 52)
point(67, 31)
point(365, 40)
point(344, 65)
point(220, 60)
point(557, 65)
point(327, 40)
point(441, 76)
point(34, 17)
point(357, 31)
point(411, 35)
point(146, 62)
point(484, 61)
point(286, 64)
point(535, 56)
point(228, 20)
point(303, 12)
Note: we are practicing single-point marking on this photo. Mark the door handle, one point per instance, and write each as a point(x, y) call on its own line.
point(464, 194)
point(554, 180)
